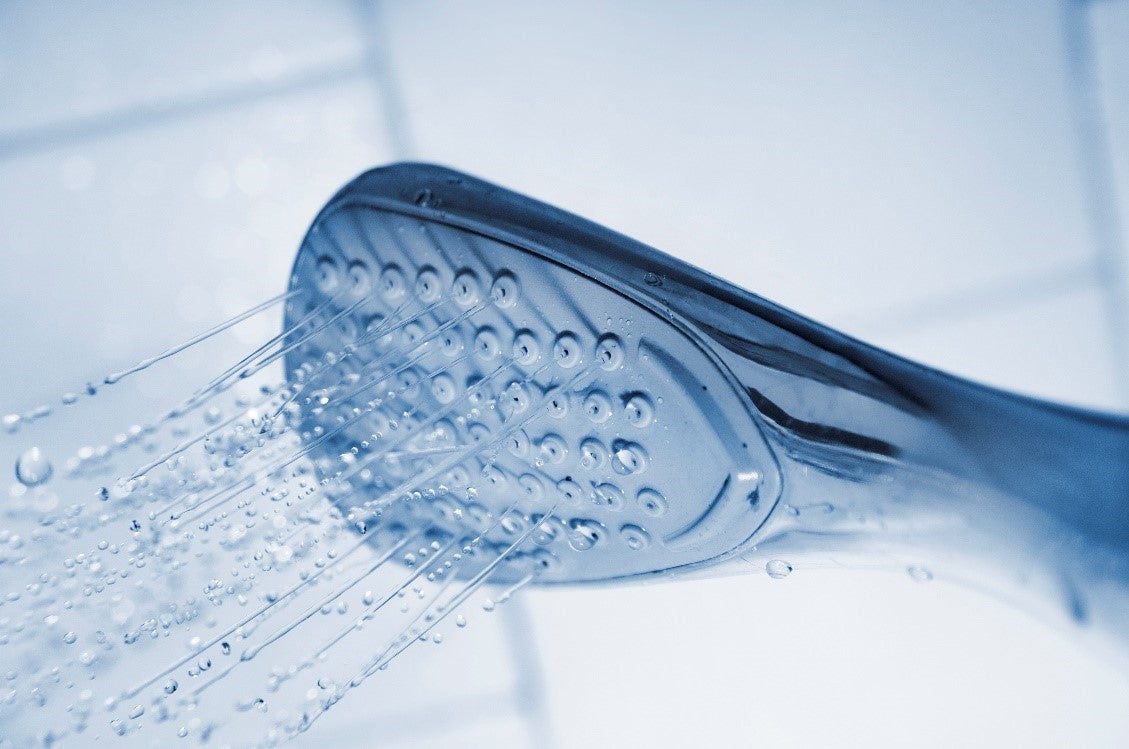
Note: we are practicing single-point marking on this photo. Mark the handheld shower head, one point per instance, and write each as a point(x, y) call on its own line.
point(502, 367)
point(495, 380)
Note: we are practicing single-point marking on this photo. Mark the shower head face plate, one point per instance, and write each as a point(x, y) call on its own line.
point(468, 384)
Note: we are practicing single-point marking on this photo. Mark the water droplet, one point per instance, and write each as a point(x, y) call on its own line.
point(545, 533)
point(136, 712)
point(778, 568)
point(584, 534)
point(919, 574)
point(460, 621)
point(33, 467)
point(70, 638)
point(170, 686)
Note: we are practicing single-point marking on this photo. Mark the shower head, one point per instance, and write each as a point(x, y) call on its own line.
point(515, 380)
point(500, 367)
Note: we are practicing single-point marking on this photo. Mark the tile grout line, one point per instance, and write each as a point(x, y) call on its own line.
point(386, 89)
point(975, 301)
point(529, 688)
point(529, 692)
point(148, 114)
point(1098, 181)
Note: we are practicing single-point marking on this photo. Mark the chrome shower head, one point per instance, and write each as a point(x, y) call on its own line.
point(501, 367)
point(510, 383)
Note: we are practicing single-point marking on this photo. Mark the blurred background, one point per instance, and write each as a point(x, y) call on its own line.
point(948, 180)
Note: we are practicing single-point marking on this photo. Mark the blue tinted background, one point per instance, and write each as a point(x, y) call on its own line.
point(950, 181)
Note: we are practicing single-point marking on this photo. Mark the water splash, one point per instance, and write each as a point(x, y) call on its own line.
point(141, 610)
point(33, 468)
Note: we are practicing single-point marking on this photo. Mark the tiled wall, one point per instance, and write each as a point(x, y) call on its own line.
point(947, 180)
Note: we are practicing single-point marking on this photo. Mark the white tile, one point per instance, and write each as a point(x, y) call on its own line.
point(73, 60)
point(1109, 24)
point(116, 248)
point(822, 658)
point(469, 724)
point(828, 156)
point(1055, 346)
point(463, 690)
